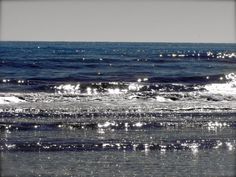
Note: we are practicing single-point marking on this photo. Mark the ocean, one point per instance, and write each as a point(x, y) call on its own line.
point(117, 109)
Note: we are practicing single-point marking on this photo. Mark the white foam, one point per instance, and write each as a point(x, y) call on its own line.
point(213, 126)
point(10, 99)
point(230, 146)
point(10, 146)
point(106, 124)
point(194, 147)
point(106, 145)
point(19, 110)
point(218, 145)
point(134, 87)
point(162, 99)
point(68, 88)
point(146, 147)
point(138, 124)
point(89, 91)
point(114, 91)
point(228, 88)
point(226, 55)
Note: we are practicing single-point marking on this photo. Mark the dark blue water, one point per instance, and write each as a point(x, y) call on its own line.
point(122, 62)
point(120, 109)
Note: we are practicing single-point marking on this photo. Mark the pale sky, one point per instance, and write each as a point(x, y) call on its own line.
point(119, 20)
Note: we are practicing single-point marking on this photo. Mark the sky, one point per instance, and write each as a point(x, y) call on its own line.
point(212, 21)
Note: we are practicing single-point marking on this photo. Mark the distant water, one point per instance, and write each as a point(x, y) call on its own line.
point(117, 109)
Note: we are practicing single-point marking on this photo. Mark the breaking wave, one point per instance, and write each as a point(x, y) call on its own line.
point(228, 88)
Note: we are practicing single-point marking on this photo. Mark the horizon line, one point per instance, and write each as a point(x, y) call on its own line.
point(68, 41)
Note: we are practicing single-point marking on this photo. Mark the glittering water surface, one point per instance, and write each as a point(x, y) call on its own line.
point(119, 163)
point(117, 109)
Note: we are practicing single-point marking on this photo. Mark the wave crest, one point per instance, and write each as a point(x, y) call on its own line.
point(228, 88)
point(10, 100)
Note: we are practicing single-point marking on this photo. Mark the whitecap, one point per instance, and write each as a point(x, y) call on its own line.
point(162, 99)
point(10, 99)
point(134, 87)
point(68, 88)
point(228, 88)
point(229, 145)
point(114, 91)
point(138, 124)
point(106, 124)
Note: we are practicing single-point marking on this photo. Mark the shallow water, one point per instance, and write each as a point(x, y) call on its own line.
point(120, 163)
point(117, 109)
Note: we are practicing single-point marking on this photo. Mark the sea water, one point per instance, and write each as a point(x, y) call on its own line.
point(117, 109)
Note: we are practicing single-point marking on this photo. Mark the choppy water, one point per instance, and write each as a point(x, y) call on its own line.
point(117, 109)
